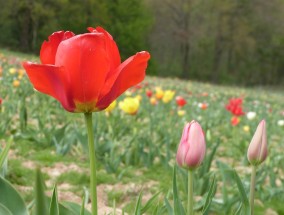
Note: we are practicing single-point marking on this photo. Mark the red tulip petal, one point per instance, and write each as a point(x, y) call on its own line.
point(86, 65)
point(128, 74)
point(111, 47)
point(49, 79)
point(49, 48)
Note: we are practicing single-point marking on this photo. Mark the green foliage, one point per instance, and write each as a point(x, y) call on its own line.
point(41, 205)
point(129, 23)
point(138, 152)
point(10, 199)
point(54, 208)
point(3, 157)
point(28, 23)
point(219, 41)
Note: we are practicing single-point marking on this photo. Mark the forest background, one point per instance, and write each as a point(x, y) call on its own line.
point(235, 42)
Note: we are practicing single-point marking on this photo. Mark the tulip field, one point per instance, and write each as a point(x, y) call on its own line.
point(136, 143)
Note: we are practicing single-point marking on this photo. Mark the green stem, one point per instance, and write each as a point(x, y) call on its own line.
point(190, 193)
point(93, 164)
point(252, 188)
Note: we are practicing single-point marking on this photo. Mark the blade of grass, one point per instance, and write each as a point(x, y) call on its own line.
point(54, 208)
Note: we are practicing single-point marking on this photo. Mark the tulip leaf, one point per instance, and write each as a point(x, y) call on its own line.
point(41, 204)
point(149, 203)
point(72, 208)
point(169, 207)
point(138, 205)
point(82, 212)
point(230, 174)
point(210, 195)
point(54, 208)
point(209, 159)
point(224, 170)
point(11, 200)
point(178, 208)
point(238, 211)
point(4, 210)
point(242, 192)
point(4, 153)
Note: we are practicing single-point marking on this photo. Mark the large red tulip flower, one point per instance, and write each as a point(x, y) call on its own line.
point(84, 72)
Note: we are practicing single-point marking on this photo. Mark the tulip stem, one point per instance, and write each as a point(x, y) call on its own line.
point(190, 193)
point(93, 164)
point(252, 189)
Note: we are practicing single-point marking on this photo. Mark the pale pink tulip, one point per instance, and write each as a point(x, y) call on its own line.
point(192, 147)
point(257, 151)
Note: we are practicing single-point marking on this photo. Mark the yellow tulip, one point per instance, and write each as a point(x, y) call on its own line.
point(111, 106)
point(246, 128)
point(181, 112)
point(16, 83)
point(153, 101)
point(159, 93)
point(12, 70)
point(168, 96)
point(129, 105)
point(139, 97)
point(21, 72)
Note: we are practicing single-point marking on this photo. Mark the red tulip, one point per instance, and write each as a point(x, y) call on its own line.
point(235, 106)
point(149, 93)
point(180, 101)
point(235, 120)
point(192, 147)
point(84, 72)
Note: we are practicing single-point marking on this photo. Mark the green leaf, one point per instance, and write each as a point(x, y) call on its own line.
point(138, 205)
point(74, 208)
point(169, 207)
point(82, 212)
point(178, 208)
point(224, 170)
point(242, 192)
point(4, 210)
point(41, 204)
point(4, 153)
point(238, 211)
point(54, 208)
point(210, 195)
point(209, 159)
point(231, 175)
point(149, 203)
point(11, 199)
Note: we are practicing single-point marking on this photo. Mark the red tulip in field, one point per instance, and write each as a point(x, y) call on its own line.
point(235, 120)
point(180, 101)
point(235, 106)
point(192, 147)
point(149, 93)
point(84, 72)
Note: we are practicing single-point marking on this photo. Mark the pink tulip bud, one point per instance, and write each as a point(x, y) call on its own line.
point(192, 147)
point(257, 151)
